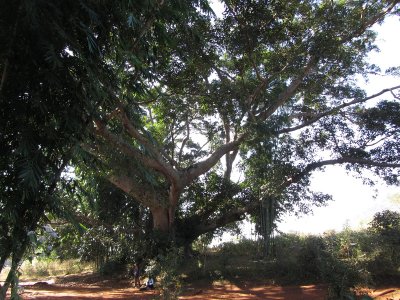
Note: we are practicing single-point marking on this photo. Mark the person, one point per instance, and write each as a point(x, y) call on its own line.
point(136, 275)
point(150, 283)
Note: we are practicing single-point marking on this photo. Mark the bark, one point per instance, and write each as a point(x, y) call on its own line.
point(6, 254)
point(161, 220)
point(204, 166)
point(147, 195)
point(161, 203)
point(16, 260)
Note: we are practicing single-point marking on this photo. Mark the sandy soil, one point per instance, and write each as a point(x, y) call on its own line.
point(88, 286)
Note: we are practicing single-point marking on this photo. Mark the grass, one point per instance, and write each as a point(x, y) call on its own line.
point(40, 269)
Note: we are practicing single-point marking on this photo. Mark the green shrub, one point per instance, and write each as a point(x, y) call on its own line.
point(112, 267)
point(165, 269)
point(245, 247)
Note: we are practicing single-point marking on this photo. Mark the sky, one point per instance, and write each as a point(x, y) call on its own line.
point(354, 204)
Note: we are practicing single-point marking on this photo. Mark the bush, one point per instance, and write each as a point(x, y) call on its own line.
point(165, 269)
point(112, 268)
point(343, 275)
point(385, 232)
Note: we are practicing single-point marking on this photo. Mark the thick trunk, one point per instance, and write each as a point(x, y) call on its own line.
point(161, 220)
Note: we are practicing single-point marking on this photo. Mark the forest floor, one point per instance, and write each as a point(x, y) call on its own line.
point(91, 286)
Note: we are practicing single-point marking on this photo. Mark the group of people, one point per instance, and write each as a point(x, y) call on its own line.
point(136, 274)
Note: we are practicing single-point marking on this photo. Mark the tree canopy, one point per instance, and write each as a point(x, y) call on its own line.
point(272, 83)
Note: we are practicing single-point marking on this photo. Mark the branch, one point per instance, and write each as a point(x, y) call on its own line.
point(143, 193)
point(167, 170)
point(355, 161)
point(200, 226)
point(290, 90)
point(394, 95)
point(335, 110)
point(374, 19)
point(202, 167)
point(222, 74)
point(101, 130)
point(184, 140)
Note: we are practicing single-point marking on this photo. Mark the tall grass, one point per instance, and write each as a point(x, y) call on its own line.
point(45, 267)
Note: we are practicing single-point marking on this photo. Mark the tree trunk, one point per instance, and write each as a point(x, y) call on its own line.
point(3, 260)
point(12, 277)
point(161, 219)
point(5, 254)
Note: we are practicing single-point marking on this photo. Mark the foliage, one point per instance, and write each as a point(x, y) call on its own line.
point(256, 91)
point(165, 268)
point(58, 61)
point(345, 260)
point(111, 227)
point(161, 98)
point(385, 227)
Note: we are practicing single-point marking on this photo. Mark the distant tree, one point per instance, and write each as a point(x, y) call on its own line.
point(395, 199)
point(387, 225)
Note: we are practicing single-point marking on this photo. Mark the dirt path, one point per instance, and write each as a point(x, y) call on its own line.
point(245, 291)
point(88, 286)
point(216, 291)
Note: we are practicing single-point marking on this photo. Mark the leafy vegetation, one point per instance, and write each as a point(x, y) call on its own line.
point(130, 120)
point(346, 261)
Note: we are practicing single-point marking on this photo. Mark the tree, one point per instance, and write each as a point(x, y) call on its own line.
point(55, 73)
point(385, 227)
point(271, 82)
point(44, 111)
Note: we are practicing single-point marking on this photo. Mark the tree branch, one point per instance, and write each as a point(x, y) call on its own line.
point(333, 110)
point(143, 193)
point(101, 130)
point(200, 226)
point(156, 151)
point(290, 90)
point(184, 140)
point(355, 161)
point(202, 167)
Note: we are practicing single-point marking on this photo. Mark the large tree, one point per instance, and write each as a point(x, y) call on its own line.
point(274, 82)
point(58, 61)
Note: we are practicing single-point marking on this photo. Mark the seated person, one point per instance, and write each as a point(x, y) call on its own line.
point(149, 285)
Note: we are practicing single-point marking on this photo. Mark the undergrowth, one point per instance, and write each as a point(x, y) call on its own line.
point(45, 267)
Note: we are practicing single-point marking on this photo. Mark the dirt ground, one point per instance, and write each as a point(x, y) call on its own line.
point(89, 286)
